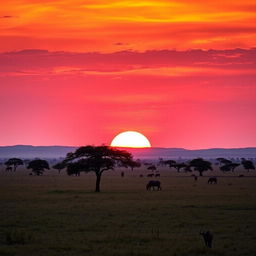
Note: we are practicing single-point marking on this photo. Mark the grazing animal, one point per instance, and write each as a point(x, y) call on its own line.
point(208, 237)
point(241, 175)
point(152, 184)
point(157, 175)
point(212, 180)
point(9, 168)
point(150, 175)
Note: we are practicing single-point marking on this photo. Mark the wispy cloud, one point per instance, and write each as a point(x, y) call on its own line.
point(6, 17)
point(151, 63)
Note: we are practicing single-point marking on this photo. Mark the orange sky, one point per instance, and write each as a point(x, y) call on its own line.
point(106, 26)
point(79, 72)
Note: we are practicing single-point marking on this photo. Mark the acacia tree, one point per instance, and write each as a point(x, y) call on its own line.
point(247, 164)
point(13, 162)
point(59, 166)
point(201, 165)
point(175, 165)
point(223, 161)
point(229, 167)
point(132, 164)
point(38, 166)
point(97, 159)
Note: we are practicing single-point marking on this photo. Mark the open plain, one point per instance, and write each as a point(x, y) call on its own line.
point(55, 214)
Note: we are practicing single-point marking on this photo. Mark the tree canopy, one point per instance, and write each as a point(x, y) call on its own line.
point(59, 166)
point(97, 159)
point(174, 164)
point(224, 161)
point(247, 164)
point(152, 168)
point(38, 166)
point(229, 167)
point(14, 162)
point(200, 165)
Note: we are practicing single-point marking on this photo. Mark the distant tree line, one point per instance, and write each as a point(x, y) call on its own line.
point(98, 159)
point(200, 165)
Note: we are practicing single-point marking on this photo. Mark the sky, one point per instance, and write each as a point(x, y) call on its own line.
point(78, 72)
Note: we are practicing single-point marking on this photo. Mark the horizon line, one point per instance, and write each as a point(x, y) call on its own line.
point(228, 148)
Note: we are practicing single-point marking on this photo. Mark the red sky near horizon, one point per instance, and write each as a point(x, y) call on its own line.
point(77, 72)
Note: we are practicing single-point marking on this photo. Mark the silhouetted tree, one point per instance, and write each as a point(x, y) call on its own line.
point(13, 162)
point(38, 166)
point(59, 166)
point(97, 159)
point(229, 167)
point(200, 165)
point(247, 164)
point(131, 163)
point(223, 161)
point(175, 165)
point(74, 168)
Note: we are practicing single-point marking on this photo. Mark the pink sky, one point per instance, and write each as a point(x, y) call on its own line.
point(76, 73)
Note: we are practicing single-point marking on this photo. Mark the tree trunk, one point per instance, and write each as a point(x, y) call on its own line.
point(98, 178)
point(200, 173)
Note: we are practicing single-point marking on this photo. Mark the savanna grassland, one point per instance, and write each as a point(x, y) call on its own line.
point(56, 214)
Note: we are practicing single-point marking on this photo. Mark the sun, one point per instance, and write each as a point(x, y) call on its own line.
point(130, 139)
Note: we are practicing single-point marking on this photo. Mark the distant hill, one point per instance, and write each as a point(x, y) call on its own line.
point(26, 151)
point(188, 154)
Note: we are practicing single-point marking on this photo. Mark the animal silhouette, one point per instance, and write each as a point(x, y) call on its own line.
point(212, 180)
point(208, 237)
point(152, 184)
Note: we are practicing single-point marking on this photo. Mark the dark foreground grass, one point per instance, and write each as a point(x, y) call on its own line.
point(60, 215)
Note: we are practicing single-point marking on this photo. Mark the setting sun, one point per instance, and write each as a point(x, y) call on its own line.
point(130, 139)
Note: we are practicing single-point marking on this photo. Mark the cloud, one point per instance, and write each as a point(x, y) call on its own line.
point(6, 17)
point(160, 63)
point(29, 52)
